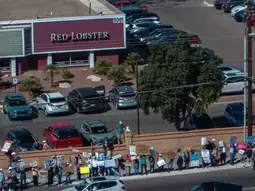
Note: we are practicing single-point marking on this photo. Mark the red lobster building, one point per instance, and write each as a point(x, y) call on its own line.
point(68, 42)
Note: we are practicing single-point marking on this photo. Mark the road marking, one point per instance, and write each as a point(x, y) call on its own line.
point(208, 4)
point(250, 188)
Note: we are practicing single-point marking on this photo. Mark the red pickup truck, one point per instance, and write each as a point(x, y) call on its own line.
point(62, 135)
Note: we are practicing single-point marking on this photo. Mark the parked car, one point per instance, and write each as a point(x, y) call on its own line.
point(16, 107)
point(218, 3)
point(141, 32)
point(231, 4)
point(135, 27)
point(131, 18)
point(164, 39)
point(234, 113)
point(234, 84)
point(62, 135)
point(239, 16)
point(102, 183)
point(237, 9)
point(144, 20)
point(191, 38)
point(131, 10)
point(86, 100)
point(123, 97)
point(52, 103)
point(195, 122)
point(158, 37)
point(228, 69)
point(21, 138)
point(95, 133)
point(211, 186)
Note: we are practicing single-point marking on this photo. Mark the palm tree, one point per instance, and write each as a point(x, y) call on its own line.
point(51, 70)
point(132, 60)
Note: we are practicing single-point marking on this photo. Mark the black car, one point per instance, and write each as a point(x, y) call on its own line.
point(219, 186)
point(87, 100)
point(21, 138)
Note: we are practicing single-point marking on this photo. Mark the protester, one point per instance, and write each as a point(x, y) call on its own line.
point(77, 165)
point(68, 178)
point(121, 166)
point(23, 182)
point(143, 164)
point(152, 163)
point(35, 176)
point(160, 158)
point(179, 159)
point(233, 151)
point(108, 148)
point(59, 172)
point(11, 180)
point(2, 179)
point(136, 166)
point(223, 155)
point(94, 166)
point(253, 158)
point(248, 153)
point(128, 165)
point(45, 145)
point(170, 165)
point(50, 176)
point(187, 159)
point(120, 128)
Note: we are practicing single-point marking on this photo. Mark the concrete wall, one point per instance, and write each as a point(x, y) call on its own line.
point(161, 142)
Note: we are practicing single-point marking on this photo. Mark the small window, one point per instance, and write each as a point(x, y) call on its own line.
point(112, 184)
point(225, 68)
point(44, 97)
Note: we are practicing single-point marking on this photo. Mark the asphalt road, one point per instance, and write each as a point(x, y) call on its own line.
point(244, 177)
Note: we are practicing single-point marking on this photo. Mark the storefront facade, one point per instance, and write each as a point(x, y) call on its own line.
point(67, 42)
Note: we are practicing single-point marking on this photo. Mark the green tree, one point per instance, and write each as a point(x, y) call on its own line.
point(132, 60)
point(117, 74)
point(175, 65)
point(102, 67)
point(31, 85)
point(51, 71)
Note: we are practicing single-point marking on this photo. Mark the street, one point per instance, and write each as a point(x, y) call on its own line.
point(242, 176)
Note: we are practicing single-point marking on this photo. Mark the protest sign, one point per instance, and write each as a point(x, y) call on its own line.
point(101, 156)
point(142, 149)
point(203, 141)
point(109, 163)
point(132, 150)
point(205, 153)
point(194, 160)
point(60, 158)
point(100, 163)
point(221, 144)
point(250, 139)
point(21, 164)
point(170, 154)
point(161, 162)
point(84, 170)
point(187, 148)
point(207, 160)
point(86, 154)
point(242, 146)
point(75, 150)
point(69, 168)
point(241, 152)
point(233, 140)
point(7, 146)
point(116, 157)
point(127, 164)
point(49, 163)
point(33, 163)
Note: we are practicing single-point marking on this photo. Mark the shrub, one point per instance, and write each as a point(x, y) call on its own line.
point(66, 74)
point(31, 85)
point(117, 74)
point(102, 67)
point(132, 60)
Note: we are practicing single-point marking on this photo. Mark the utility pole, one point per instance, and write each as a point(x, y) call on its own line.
point(137, 98)
point(249, 62)
point(245, 87)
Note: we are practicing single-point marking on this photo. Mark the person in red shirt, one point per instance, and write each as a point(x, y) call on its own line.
point(128, 165)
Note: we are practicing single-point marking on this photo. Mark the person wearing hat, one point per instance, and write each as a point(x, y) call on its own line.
point(2, 179)
point(120, 132)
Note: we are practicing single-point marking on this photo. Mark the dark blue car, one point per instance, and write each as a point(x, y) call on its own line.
point(239, 16)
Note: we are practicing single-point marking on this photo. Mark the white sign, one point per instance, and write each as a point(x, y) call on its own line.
point(109, 163)
point(132, 150)
point(33, 163)
point(100, 163)
point(205, 153)
point(60, 158)
point(14, 80)
point(194, 163)
point(161, 163)
point(241, 152)
point(86, 155)
point(6, 146)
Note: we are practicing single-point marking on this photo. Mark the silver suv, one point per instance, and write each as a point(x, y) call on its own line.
point(52, 103)
point(103, 183)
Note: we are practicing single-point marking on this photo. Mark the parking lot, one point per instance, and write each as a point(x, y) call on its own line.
point(217, 30)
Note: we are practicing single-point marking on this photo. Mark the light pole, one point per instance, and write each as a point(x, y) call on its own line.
point(137, 98)
point(245, 87)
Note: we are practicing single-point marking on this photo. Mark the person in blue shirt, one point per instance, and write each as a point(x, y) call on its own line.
point(2, 179)
point(23, 182)
point(58, 172)
point(120, 128)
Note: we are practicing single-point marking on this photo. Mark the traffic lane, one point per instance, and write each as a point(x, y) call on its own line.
point(217, 30)
point(244, 177)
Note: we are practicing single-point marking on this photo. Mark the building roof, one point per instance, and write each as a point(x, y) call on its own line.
point(12, 10)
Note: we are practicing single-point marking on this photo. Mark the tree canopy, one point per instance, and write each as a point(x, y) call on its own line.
point(176, 65)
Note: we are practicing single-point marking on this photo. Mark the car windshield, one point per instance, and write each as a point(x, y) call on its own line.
point(57, 100)
point(26, 139)
point(82, 185)
point(17, 103)
point(67, 132)
point(98, 130)
point(127, 95)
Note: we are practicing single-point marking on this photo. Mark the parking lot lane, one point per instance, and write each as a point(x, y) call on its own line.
point(216, 29)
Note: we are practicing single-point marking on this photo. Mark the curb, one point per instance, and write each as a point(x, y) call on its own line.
point(184, 172)
point(208, 4)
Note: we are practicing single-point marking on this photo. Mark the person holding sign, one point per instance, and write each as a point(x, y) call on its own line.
point(143, 164)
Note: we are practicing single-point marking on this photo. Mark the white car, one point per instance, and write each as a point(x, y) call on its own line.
point(234, 84)
point(103, 183)
point(227, 69)
point(52, 103)
point(144, 20)
point(237, 9)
